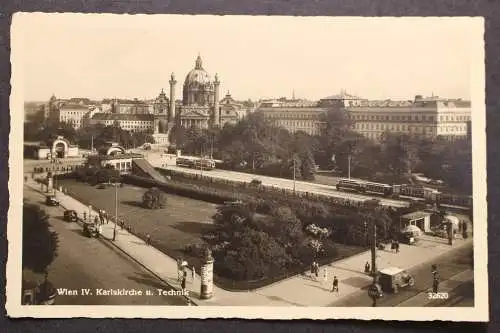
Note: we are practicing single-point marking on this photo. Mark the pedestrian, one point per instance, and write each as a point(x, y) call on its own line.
point(148, 240)
point(313, 267)
point(316, 270)
point(393, 245)
point(435, 284)
point(183, 282)
point(84, 216)
point(179, 269)
point(193, 273)
point(397, 246)
point(367, 268)
point(325, 275)
point(335, 285)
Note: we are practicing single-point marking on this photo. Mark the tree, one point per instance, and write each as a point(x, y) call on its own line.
point(252, 255)
point(154, 198)
point(233, 217)
point(107, 174)
point(40, 244)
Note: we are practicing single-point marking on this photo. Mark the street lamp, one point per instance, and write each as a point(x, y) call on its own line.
point(349, 166)
point(116, 211)
point(375, 290)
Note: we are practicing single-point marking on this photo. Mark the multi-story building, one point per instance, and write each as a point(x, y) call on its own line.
point(129, 122)
point(73, 114)
point(231, 111)
point(425, 117)
point(294, 119)
point(135, 106)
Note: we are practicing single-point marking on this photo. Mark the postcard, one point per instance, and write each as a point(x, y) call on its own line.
point(261, 167)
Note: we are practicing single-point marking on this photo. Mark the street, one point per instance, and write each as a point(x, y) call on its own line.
point(88, 263)
point(450, 266)
point(156, 160)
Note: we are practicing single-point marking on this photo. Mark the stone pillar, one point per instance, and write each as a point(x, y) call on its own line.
point(216, 101)
point(172, 82)
point(156, 126)
point(207, 275)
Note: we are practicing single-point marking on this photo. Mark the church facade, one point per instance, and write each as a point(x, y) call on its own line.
point(200, 106)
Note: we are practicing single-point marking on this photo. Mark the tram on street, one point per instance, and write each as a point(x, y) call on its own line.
point(364, 186)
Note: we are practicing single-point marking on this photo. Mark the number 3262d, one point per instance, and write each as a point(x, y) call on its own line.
point(437, 295)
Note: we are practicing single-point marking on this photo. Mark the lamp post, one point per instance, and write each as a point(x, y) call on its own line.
point(375, 290)
point(212, 147)
point(201, 162)
point(116, 211)
point(349, 166)
point(90, 213)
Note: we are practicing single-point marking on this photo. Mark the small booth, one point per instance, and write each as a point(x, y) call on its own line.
point(419, 219)
point(59, 147)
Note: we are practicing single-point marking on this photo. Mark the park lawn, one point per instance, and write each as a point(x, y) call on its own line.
point(182, 222)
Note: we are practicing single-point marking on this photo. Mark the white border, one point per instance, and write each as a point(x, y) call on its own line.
point(14, 228)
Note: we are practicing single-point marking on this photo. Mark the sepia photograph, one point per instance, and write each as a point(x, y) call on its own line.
point(192, 166)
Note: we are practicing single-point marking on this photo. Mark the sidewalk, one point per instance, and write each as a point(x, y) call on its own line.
point(299, 290)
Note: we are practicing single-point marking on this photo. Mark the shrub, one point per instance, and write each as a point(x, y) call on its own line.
point(154, 198)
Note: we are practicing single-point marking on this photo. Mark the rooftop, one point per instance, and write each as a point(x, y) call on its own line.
point(116, 156)
point(123, 116)
point(74, 106)
point(416, 215)
point(291, 109)
point(391, 270)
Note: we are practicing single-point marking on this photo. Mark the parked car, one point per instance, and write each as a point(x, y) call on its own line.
point(38, 293)
point(256, 181)
point(50, 200)
point(393, 278)
point(70, 216)
point(407, 238)
point(90, 230)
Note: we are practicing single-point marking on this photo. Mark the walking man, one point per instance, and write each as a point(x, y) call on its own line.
point(335, 285)
point(367, 268)
point(397, 246)
point(435, 284)
point(179, 269)
point(148, 240)
point(183, 282)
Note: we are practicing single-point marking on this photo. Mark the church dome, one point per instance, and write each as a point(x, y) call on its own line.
point(198, 76)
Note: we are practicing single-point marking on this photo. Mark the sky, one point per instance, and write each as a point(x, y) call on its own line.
point(131, 56)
